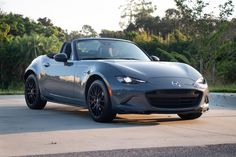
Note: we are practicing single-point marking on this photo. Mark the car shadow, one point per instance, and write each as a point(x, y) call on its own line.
point(144, 121)
point(57, 117)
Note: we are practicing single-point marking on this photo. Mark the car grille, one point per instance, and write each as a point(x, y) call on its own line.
point(181, 98)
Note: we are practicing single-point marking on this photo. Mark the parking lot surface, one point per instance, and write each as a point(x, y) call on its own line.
point(64, 129)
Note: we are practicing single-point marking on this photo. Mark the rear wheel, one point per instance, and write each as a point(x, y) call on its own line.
point(32, 94)
point(189, 116)
point(99, 102)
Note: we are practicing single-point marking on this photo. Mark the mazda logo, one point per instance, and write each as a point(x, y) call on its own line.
point(176, 84)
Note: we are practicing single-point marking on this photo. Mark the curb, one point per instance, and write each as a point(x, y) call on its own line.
point(222, 99)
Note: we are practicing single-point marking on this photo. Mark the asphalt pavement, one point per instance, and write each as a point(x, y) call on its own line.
point(69, 131)
point(222, 150)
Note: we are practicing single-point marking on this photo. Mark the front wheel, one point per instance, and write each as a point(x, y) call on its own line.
point(99, 102)
point(32, 94)
point(189, 116)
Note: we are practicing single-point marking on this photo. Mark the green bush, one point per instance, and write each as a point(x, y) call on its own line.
point(227, 71)
point(165, 56)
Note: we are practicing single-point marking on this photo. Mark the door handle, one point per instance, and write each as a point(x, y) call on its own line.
point(46, 64)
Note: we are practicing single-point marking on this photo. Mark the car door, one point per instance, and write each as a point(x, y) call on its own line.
point(59, 76)
point(81, 76)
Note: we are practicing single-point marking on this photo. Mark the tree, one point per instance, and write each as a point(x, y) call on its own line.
point(88, 31)
point(73, 35)
point(112, 34)
point(21, 40)
point(137, 10)
point(144, 8)
point(128, 11)
point(131, 27)
point(203, 29)
point(172, 14)
point(172, 19)
point(145, 24)
point(4, 30)
point(45, 21)
point(226, 10)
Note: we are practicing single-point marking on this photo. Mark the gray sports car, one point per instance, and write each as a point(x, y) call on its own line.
point(110, 76)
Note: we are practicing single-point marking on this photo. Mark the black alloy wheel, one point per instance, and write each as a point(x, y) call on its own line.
point(32, 94)
point(99, 103)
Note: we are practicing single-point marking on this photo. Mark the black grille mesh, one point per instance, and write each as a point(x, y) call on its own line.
point(177, 98)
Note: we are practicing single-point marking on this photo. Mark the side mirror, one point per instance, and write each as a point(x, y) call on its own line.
point(60, 57)
point(155, 58)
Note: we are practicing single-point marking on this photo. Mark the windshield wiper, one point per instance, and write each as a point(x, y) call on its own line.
point(127, 58)
point(97, 58)
point(94, 58)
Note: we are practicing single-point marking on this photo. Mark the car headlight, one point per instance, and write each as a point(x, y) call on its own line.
point(129, 80)
point(201, 83)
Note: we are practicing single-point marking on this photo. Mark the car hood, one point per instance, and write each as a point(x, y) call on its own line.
point(151, 69)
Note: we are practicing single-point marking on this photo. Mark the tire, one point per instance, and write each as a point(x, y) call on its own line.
point(32, 94)
point(99, 103)
point(189, 116)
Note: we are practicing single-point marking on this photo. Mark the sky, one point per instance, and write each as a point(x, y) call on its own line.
point(73, 14)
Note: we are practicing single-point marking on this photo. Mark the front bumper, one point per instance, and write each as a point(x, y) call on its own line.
point(159, 96)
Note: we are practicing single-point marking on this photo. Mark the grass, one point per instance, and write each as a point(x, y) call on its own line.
point(11, 92)
point(14, 89)
point(229, 88)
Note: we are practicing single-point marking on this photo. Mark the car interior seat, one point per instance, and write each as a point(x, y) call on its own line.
point(104, 52)
point(68, 50)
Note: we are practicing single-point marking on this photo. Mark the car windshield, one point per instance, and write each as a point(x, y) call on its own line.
point(109, 49)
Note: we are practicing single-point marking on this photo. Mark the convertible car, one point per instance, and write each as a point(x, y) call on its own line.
point(110, 76)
